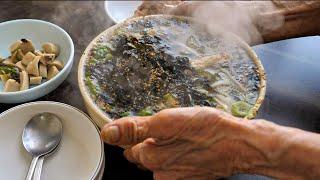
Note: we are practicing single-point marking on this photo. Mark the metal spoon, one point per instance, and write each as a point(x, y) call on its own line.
point(38, 169)
point(41, 135)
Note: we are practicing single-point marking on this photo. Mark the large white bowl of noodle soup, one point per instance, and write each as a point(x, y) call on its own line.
point(101, 117)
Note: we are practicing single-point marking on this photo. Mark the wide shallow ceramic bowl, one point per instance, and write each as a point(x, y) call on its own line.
point(80, 154)
point(38, 32)
point(100, 117)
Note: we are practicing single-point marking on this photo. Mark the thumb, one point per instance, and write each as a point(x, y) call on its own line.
point(126, 131)
point(133, 130)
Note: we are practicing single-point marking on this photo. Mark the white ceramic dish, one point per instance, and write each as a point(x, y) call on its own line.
point(120, 10)
point(39, 32)
point(80, 155)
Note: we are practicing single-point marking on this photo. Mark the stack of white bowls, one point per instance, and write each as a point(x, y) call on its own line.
point(80, 154)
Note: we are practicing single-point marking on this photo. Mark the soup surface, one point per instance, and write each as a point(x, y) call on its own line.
point(156, 63)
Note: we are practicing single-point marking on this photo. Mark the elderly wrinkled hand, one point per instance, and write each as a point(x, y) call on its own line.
point(175, 141)
point(205, 143)
point(178, 143)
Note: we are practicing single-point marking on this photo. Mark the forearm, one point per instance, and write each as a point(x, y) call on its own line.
point(302, 19)
point(280, 152)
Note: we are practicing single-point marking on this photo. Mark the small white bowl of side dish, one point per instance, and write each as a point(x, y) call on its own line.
point(120, 10)
point(38, 32)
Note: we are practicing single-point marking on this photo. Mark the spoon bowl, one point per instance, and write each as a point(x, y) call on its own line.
point(41, 135)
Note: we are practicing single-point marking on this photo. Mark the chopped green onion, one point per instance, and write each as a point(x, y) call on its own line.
point(6, 69)
point(100, 51)
point(91, 86)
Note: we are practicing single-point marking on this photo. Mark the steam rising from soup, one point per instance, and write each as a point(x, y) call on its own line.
point(156, 63)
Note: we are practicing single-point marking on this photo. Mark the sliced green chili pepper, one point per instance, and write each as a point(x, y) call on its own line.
point(170, 100)
point(212, 101)
point(124, 114)
point(109, 56)
point(208, 75)
point(145, 112)
point(240, 109)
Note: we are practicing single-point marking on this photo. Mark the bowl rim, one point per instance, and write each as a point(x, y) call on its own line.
point(64, 69)
point(102, 155)
point(88, 100)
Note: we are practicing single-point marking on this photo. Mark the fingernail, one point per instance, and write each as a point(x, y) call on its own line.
point(112, 134)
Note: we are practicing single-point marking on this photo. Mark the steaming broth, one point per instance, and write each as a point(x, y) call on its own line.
point(151, 64)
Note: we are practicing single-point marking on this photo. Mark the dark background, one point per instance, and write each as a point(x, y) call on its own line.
point(292, 67)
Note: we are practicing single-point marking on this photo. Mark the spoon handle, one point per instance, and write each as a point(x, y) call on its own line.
point(32, 168)
point(37, 172)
